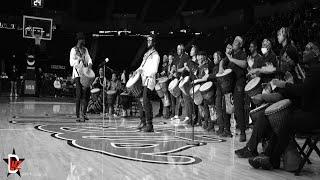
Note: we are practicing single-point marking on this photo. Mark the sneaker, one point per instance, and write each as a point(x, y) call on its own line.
point(158, 115)
point(245, 153)
point(85, 117)
point(78, 119)
point(141, 125)
point(186, 120)
point(220, 131)
point(261, 161)
point(242, 137)
point(226, 133)
point(210, 127)
point(174, 117)
point(148, 128)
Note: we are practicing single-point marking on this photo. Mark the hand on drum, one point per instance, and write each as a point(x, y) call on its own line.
point(278, 83)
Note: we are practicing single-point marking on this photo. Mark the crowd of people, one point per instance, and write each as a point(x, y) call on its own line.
point(285, 71)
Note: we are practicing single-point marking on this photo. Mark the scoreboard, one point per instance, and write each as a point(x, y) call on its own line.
point(37, 3)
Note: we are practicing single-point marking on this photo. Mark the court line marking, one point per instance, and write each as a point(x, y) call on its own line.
point(72, 142)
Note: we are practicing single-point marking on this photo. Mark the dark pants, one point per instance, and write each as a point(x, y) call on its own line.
point(173, 105)
point(223, 119)
point(187, 105)
point(178, 105)
point(204, 111)
point(145, 110)
point(238, 97)
point(161, 108)
point(300, 121)
point(261, 130)
point(82, 97)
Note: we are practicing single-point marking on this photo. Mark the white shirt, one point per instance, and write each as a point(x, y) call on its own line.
point(77, 63)
point(149, 67)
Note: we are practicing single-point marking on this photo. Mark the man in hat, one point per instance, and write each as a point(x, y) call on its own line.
point(148, 70)
point(79, 58)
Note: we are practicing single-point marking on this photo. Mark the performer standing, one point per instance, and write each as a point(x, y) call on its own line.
point(238, 64)
point(148, 70)
point(79, 58)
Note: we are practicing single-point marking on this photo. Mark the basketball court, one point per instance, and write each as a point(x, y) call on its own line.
point(54, 146)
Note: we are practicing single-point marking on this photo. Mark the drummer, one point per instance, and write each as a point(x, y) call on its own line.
point(163, 73)
point(172, 74)
point(268, 59)
point(114, 85)
point(237, 61)
point(79, 58)
point(222, 118)
point(148, 70)
point(203, 76)
point(181, 59)
point(305, 115)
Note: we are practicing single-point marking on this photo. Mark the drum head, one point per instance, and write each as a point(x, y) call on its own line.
point(184, 81)
point(278, 106)
point(206, 86)
point(225, 72)
point(88, 72)
point(111, 92)
point(133, 80)
point(196, 89)
point(252, 83)
point(173, 84)
point(95, 90)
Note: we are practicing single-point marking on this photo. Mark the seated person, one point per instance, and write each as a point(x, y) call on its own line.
point(112, 99)
point(304, 118)
point(95, 104)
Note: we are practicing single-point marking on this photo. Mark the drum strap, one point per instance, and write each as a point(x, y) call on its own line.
point(147, 56)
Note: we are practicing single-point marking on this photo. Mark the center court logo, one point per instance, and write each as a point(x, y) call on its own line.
point(14, 163)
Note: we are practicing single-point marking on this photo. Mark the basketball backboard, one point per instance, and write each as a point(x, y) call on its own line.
point(33, 26)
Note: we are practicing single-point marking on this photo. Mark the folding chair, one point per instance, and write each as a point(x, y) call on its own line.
point(312, 138)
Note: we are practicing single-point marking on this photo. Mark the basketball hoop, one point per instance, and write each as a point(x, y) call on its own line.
point(37, 36)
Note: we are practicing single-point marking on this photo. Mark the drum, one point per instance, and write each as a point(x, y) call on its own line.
point(86, 77)
point(258, 113)
point(253, 87)
point(185, 85)
point(196, 94)
point(207, 92)
point(111, 97)
point(134, 85)
point(159, 90)
point(125, 100)
point(278, 114)
point(226, 81)
point(163, 82)
point(174, 88)
point(95, 93)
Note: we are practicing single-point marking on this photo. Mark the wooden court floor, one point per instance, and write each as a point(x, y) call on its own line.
point(55, 147)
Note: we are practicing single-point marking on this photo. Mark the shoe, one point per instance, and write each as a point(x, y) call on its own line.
point(261, 161)
point(158, 115)
point(148, 128)
point(174, 117)
point(210, 127)
point(242, 137)
point(186, 120)
point(78, 119)
point(226, 133)
point(245, 153)
point(85, 117)
point(220, 131)
point(141, 125)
